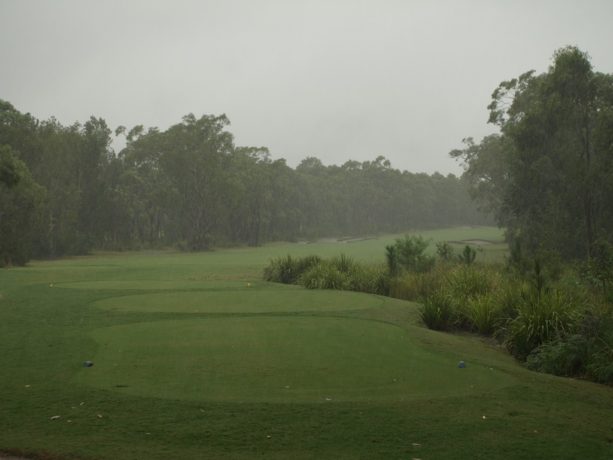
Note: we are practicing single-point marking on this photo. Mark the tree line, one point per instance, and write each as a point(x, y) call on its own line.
point(65, 191)
point(547, 177)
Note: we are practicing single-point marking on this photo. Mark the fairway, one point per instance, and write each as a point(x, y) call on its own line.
point(194, 356)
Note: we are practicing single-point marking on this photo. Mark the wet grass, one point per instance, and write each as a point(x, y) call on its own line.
point(195, 357)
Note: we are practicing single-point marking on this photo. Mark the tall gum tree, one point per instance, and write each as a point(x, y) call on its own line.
point(549, 187)
point(20, 202)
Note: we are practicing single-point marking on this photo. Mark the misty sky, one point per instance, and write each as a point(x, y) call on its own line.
point(335, 79)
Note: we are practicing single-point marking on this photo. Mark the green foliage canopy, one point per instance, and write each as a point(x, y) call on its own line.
point(20, 202)
point(191, 187)
point(548, 176)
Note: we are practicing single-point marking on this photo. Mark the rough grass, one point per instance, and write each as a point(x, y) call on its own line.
point(159, 402)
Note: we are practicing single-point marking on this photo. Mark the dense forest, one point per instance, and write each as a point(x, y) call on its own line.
point(63, 190)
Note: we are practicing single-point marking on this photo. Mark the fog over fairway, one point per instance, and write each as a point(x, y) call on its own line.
point(336, 80)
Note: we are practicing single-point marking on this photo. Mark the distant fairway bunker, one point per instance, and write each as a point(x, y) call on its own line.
point(243, 299)
point(278, 359)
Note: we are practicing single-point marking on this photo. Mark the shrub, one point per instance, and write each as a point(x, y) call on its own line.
point(485, 301)
point(418, 286)
point(345, 274)
point(566, 357)
point(325, 275)
point(445, 251)
point(343, 263)
point(288, 269)
point(598, 326)
point(468, 255)
point(340, 272)
point(509, 296)
point(470, 282)
point(373, 279)
point(588, 352)
point(391, 257)
point(476, 302)
point(408, 254)
point(437, 311)
point(600, 367)
point(541, 318)
point(600, 267)
point(381, 280)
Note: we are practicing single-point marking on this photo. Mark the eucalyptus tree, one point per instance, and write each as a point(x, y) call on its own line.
point(247, 199)
point(191, 186)
point(9, 175)
point(56, 168)
point(93, 159)
point(20, 202)
point(145, 192)
point(547, 175)
point(19, 131)
point(194, 155)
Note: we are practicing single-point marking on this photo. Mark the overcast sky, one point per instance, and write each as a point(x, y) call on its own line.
point(335, 79)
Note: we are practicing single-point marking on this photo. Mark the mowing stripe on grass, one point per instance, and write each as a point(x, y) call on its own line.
point(242, 300)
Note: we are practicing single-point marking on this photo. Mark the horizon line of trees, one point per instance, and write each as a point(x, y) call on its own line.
point(64, 191)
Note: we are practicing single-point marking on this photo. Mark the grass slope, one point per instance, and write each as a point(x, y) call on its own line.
point(191, 362)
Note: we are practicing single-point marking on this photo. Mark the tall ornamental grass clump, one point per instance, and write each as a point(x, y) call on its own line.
point(288, 269)
point(462, 296)
point(474, 292)
point(341, 272)
point(484, 313)
point(344, 273)
point(470, 282)
point(408, 254)
point(541, 317)
point(418, 286)
point(325, 275)
point(438, 311)
point(373, 279)
point(587, 353)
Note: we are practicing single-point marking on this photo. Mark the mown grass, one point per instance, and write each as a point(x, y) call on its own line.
point(206, 376)
point(239, 298)
point(277, 359)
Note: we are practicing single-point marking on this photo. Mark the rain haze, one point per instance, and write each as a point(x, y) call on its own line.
point(337, 80)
